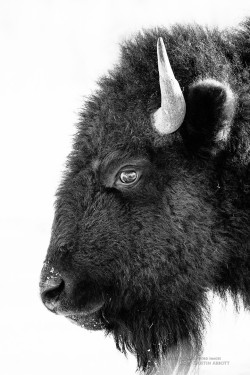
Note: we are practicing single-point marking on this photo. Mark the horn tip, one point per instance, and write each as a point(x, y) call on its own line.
point(160, 42)
point(161, 49)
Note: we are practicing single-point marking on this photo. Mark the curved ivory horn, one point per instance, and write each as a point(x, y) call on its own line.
point(170, 116)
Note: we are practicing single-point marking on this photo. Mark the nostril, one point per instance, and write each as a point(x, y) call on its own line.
point(50, 290)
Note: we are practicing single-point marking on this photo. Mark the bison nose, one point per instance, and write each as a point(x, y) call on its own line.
point(50, 290)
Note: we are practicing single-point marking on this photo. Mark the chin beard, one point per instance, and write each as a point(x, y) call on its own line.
point(159, 335)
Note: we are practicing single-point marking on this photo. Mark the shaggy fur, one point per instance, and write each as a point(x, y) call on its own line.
point(151, 252)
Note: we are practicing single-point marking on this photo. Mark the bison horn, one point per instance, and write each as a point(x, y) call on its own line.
point(170, 116)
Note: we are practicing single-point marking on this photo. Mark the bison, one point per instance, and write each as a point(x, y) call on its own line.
point(153, 210)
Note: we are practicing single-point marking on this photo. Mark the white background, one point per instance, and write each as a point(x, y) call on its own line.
point(51, 54)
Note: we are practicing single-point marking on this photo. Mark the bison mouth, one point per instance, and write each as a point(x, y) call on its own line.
point(80, 302)
point(90, 319)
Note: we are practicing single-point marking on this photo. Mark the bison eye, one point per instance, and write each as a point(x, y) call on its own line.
point(127, 178)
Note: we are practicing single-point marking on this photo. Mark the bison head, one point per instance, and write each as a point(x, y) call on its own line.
point(149, 215)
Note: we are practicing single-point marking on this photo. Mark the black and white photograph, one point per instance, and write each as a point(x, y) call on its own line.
point(125, 194)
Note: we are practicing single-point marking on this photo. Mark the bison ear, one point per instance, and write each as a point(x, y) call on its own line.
point(210, 111)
